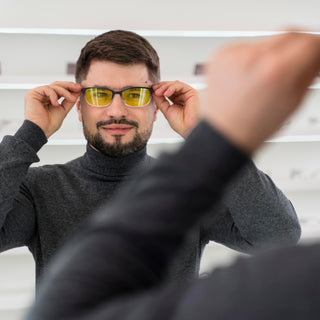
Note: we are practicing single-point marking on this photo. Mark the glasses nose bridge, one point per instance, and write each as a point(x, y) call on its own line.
point(117, 92)
point(117, 108)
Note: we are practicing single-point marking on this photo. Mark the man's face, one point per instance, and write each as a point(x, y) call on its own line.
point(116, 130)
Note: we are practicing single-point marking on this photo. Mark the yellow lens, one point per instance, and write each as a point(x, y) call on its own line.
point(136, 97)
point(98, 97)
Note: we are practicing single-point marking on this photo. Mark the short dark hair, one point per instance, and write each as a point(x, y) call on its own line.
point(122, 47)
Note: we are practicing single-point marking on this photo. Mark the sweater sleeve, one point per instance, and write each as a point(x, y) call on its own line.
point(128, 251)
point(253, 214)
point(17, 153)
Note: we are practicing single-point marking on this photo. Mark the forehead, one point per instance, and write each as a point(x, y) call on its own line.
point(116, 76)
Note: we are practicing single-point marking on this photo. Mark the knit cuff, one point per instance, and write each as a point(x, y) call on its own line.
point(32, 134)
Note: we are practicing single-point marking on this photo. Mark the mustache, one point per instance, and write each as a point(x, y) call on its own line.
point(115, 121)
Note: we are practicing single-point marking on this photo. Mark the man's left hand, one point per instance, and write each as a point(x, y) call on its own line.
point(183, 111)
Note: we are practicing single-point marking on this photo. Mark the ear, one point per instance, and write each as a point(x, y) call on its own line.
point(155, 113)
point(78, 104)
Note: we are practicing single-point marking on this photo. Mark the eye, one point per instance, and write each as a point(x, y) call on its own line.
point(133, 95)
point(103, 94)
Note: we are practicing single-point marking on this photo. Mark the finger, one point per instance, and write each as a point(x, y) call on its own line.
point(62, 92)
point(162, 103)
point(68, 85)
point(46, 94)
point(178, 88)
point(160, 84)
point(161, 87)
point(156, 85)
point(170, 88)
point(67, 105)
point(170, 91)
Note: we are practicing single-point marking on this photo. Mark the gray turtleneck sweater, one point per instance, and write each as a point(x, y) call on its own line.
point(40, 207)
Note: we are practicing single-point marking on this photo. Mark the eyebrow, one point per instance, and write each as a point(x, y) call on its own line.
point(124, 88)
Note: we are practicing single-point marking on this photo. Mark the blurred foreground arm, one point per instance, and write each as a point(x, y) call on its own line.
point(254, 212)
point(107, 271)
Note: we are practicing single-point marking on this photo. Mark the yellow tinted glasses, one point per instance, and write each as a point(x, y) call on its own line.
point(131, 97)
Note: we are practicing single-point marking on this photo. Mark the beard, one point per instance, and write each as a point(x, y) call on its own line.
point(117, 149)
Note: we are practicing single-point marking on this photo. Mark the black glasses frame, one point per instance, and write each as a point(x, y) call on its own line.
point(83, 90)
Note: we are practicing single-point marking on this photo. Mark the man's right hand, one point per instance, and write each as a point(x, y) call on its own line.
point(42, 105)
point(254, 87)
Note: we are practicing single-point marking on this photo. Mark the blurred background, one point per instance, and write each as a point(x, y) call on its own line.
point(40, 41)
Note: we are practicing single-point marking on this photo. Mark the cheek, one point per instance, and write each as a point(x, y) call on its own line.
point(82, 115)
point(90, 116)
point(151, 114)
point(146, 120)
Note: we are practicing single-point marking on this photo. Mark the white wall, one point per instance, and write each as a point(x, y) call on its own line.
point(164, 15)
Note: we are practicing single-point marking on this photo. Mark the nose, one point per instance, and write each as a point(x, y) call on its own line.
point(117, 109)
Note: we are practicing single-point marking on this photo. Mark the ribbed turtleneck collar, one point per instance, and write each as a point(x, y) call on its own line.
point(109, 166)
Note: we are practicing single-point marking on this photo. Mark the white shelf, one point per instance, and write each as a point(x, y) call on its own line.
point(31, 82)
point(17, 301)
point(149, 33)
point(295, 138)
point(299, 185)
point(285, 139)
point(16, 252)
point(170, 140)
point(144, 33)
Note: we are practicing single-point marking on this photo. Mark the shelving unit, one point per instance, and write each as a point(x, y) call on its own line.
point(46, 61)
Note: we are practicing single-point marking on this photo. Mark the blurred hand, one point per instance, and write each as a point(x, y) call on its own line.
point(253, 88)
point(183, 113)
point(42, 105)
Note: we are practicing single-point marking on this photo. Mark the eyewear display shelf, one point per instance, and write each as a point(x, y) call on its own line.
point(291, 158)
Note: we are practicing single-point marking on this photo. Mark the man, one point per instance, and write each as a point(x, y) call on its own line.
point(115, 268)
point(115, 73)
